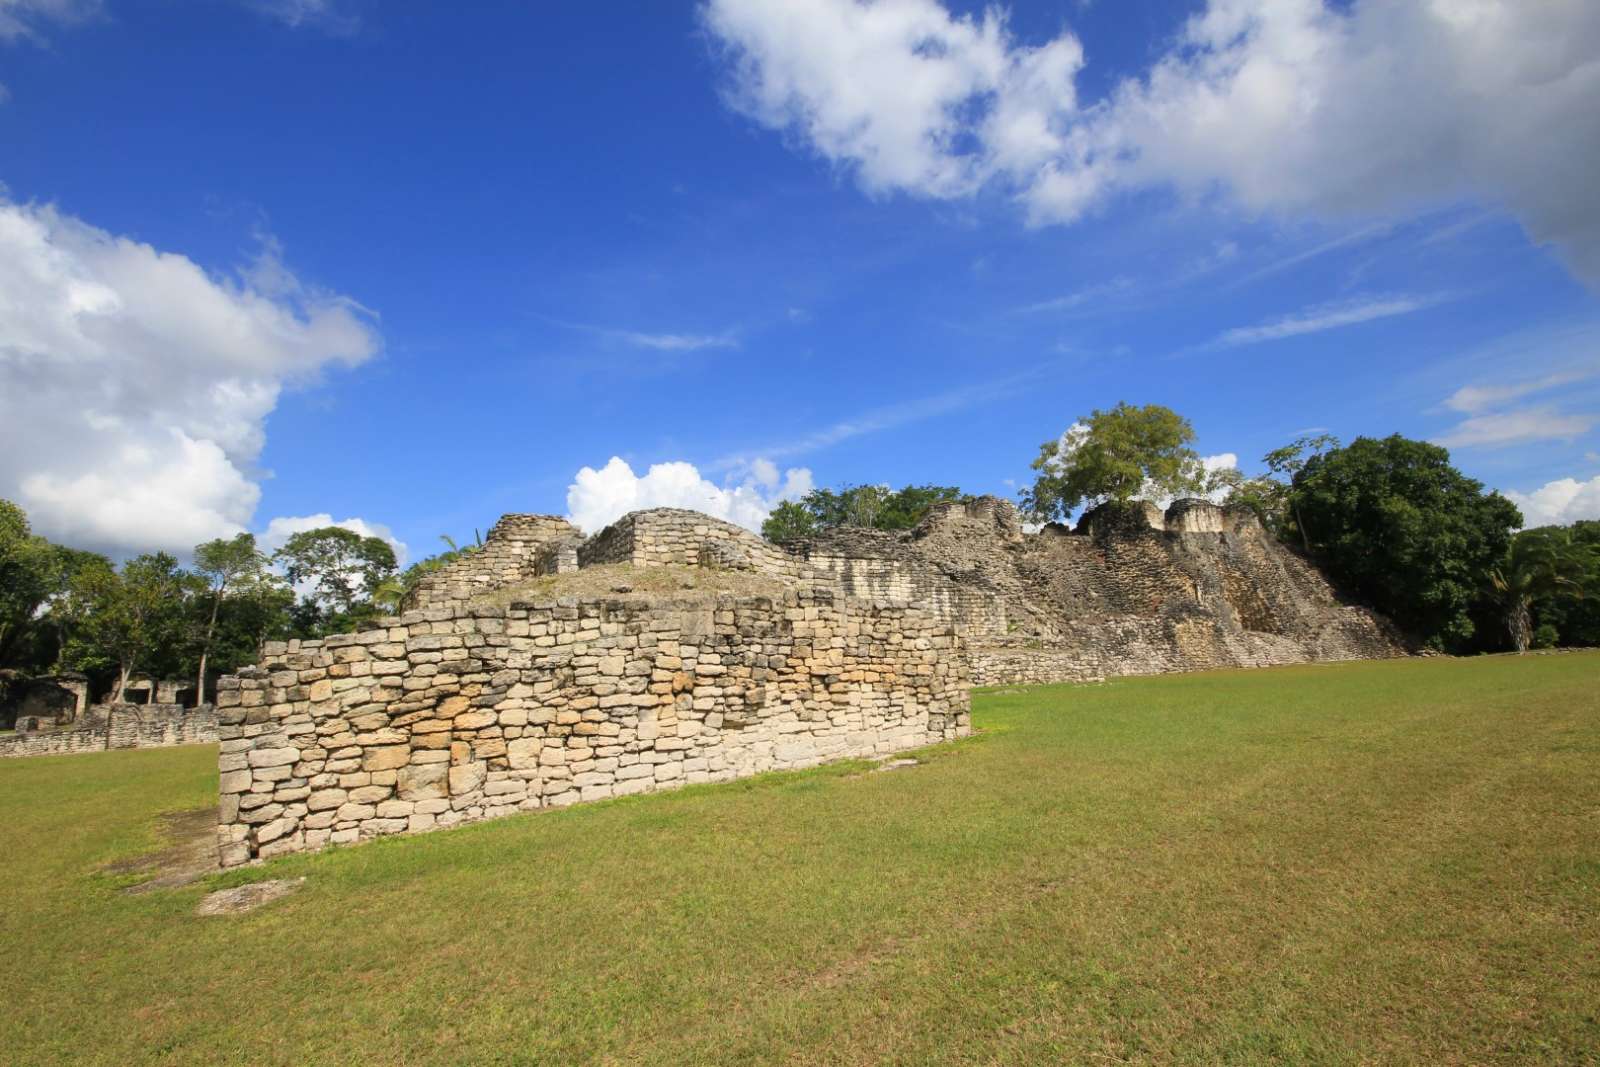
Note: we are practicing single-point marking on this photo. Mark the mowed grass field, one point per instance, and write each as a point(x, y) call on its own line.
point(1365, 863)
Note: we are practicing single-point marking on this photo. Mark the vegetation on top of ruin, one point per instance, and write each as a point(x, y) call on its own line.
point(873, 507)
point(1367, 862)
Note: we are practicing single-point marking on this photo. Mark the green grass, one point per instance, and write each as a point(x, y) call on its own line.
point(1370, 863)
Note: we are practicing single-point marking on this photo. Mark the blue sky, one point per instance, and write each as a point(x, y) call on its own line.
point(415, 267)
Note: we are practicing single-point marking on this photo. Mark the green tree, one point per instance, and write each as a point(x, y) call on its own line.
point(1394, 523)
point(1540, 564)
point(1285, 463)
point(28, 576)
point(789, 521)
point(870, 506)
point(1117, 454)
point(342, 568)
point(227, 566)
point(1576, 618)
point(121, 618)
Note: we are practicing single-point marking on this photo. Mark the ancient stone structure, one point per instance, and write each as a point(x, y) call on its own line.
point(480, 700)
point(456, 713)
point(111, 726)
point(56, 700)
point(1132, 590)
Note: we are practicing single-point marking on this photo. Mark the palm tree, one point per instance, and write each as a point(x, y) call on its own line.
point(1538, 564)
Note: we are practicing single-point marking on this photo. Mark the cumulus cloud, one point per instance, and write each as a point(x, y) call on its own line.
point(135, 385)
point(597, 498)
point(1366, 107)
point(1558, 503)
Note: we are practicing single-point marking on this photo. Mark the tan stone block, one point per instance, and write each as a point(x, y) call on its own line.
point(423, 781)
point(385, 758)
point(466, 778)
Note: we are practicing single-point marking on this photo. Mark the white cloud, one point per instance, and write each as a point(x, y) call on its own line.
point(676, 342)
point(1558, 503)
point(1516, 427)
point(134, 385)
point(598, 498)
point(23, 18)
point(1370, 107)
point(1089, 294)
point(1323, 317)
point(1471, 399)
point(329, 16)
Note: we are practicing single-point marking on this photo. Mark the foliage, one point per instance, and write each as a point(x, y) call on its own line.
point(342, 568)
point(232, 570)
point(121, 619)
point(1398, 526)
point(870, 506)
point(1539, 564)
point(33, 574)
point(1576, 618)
point(1117, 455)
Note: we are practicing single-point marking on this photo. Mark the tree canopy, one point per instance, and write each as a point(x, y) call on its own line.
point(870, 506)
point(1397, 525)
point(1114, 455)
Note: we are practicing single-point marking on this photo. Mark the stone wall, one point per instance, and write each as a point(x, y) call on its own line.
point(519, 547)
point(675, 537)
point(114, 726)
point(453, 714)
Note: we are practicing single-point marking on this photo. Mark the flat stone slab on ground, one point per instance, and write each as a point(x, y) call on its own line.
point(244, 898)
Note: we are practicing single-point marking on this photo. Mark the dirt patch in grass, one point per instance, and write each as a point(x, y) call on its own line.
point(188, 852)
point(623, 581)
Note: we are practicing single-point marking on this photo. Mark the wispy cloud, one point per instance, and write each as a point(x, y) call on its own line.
point(1323, 317)
point(1078, 298)
point(1516, 427)
point(894, 416)
point(1472, 399)
point(675, 342)
point(660, 342)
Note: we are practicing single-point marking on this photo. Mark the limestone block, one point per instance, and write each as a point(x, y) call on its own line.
point(467, 777)
point(273, 757)
point(386, 757)
point(426, 781)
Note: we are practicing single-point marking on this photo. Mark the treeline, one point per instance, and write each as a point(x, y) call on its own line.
point(63, 609)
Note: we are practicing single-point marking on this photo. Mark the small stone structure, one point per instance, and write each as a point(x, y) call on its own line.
point(457, 713)
point(111, 726)
point(54, 700)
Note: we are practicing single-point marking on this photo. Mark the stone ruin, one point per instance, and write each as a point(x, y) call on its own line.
point(545, 669)
point(53, 716)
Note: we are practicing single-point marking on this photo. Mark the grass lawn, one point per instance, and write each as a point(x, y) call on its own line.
point(1391, 862)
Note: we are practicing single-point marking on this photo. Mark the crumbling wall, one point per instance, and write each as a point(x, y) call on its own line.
point(454, 714)
point(519, 547)
point(118, 726)
point(675, 537)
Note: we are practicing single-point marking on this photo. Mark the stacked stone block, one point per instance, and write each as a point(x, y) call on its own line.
point(449, 715)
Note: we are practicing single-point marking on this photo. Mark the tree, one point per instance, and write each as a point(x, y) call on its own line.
point(1285, 463)
point(1543, 563)
point(33, 575)
point(869, 506)
point(1115, 455)
point(790, 521)
point(342, 568)
point(121, 618)
point(1575, 617)
point(225, 565)
point(1394, 523)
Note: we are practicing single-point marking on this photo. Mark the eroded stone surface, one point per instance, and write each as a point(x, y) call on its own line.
point(244, 898)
